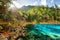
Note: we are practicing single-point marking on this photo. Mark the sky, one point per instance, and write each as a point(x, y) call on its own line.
point(20, 3)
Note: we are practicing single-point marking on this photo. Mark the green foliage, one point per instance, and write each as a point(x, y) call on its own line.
point(41, 13)
point(5, 1)
point(3, 8)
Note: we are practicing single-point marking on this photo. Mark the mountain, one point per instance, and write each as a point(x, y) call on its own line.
point(25, 8)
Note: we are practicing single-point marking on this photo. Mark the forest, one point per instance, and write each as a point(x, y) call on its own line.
point(42, 14)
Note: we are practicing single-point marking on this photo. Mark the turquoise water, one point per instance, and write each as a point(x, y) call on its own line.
point(52, 30)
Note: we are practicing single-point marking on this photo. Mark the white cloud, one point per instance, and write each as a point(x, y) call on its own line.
point(35, 3)
point(43, 2)
point(52, 1)
point(32, 4)
point(58, 5)
point(15, 4)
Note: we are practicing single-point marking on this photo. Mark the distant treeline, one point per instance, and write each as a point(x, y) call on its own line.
point(41, 13)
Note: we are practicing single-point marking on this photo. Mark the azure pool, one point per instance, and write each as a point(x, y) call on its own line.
point(52, 30)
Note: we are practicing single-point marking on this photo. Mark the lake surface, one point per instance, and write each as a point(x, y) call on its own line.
point(52, 30)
